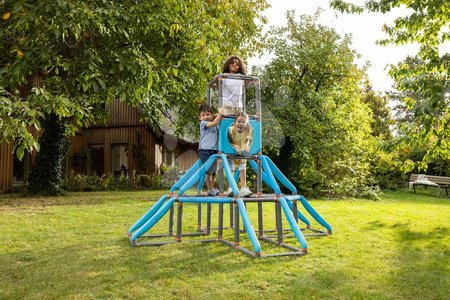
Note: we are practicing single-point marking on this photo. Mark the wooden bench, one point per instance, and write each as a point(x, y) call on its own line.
point(441, 181)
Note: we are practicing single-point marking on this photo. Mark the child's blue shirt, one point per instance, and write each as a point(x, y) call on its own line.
point(208, 137)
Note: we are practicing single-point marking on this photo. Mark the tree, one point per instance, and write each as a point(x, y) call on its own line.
point(381, 114)
point(425, 76)
point(84, 54)
point(48, 167)
point(412, 111)
point(312, 86)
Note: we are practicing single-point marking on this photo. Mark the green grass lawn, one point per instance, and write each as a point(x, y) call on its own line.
point(76, 247)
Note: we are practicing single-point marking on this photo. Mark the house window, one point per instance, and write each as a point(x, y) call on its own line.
point(20, 168)
point(96, 159)
point(119, 153)
point(169, 158)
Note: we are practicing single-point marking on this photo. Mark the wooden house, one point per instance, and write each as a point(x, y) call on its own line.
point(123, 144)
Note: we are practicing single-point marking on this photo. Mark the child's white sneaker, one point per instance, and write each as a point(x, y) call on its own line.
point(230, 192)
point(244, 192)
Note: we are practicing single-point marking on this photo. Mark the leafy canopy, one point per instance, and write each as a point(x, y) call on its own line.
point(80, 55)
point(312, 87)
point(421, 81)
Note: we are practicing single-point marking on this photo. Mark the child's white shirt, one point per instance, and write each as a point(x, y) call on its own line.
point(232, 92)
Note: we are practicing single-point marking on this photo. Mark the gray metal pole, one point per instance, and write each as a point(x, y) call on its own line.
point(236, 225)
point(258, 95)
point(199, 216)
point(279, 222)
point(260, 220)
point(208, 218)
point(179, 221)
point(259, 178)
point(294, 210)
point(220, 229)
point(219, 89)
point(220, 175)
point(171, 213)
point(244, 100)
point(231, 215)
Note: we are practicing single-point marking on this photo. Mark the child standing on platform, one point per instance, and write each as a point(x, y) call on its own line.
point(208, 144)
point(240, 135)
point(233, 89)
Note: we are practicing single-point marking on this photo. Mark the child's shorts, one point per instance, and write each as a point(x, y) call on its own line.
point(204, 154)
point(240, 163)
point(228, 110)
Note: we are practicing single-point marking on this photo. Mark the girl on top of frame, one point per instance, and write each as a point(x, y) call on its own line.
point(233, 89)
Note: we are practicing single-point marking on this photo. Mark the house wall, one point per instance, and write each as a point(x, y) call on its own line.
point(120, 135)
point(122, 114)
point(186, 158)
point(184, 155)
point(122, 127)
point(6, 166)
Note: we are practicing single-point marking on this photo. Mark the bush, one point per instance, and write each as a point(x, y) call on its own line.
point(148, 182)
point(169, 175)
point(386, 172)
point(83, 183)
point(121, 183)
point(143, 181)
point(370, 192)
point(157, 182)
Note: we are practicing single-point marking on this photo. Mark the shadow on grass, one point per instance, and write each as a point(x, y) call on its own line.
point(113, 269)
point(423, 270)
point(379, 225)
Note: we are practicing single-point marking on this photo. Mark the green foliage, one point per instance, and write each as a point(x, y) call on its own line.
point(381, 115)
point(426, 22)
point(45, 176)
point(116, 183)
point(11, 130)
point(422, 81)
point(423, 112)
point(312, 87)
point(414, 156)
point(385, 164)
point(386, 169)
point(84, 54)
point(439, 166)
point(148, 182)
point(84, 183)
point(169, 175)
point(87, 53)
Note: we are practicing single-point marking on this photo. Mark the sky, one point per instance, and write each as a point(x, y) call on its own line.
point(365, 29)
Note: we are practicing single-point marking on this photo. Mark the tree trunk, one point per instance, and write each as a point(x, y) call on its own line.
point(46, 174)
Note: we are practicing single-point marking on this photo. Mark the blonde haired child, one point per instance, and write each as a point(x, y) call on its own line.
point(240, 135)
